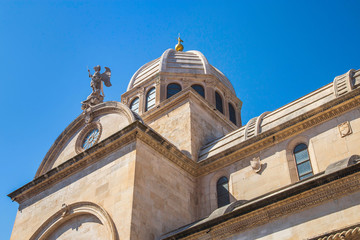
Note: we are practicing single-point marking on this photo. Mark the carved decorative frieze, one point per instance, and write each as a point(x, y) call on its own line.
point(310, 198)
point(348, 234)
point(129, 134)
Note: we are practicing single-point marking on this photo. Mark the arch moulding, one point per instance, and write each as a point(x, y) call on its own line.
point(291, 159)
point(80, 123)
point(212, 190)
point(67, 212)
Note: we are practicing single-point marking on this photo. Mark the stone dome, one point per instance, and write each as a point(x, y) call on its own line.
point(171, 61)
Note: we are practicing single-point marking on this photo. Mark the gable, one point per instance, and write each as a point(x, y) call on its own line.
point(86, 130)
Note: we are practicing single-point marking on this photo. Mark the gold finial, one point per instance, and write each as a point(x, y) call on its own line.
point(179, 47)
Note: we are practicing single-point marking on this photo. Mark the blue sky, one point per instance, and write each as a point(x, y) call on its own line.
point(272, 51)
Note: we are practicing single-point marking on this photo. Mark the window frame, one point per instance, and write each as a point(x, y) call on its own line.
point(132, 103)
point(302, 176)
point(203, 89)
point(217, 94)
point(173, 84)
point(230, 105)
point(147, 108)
point(225, 194)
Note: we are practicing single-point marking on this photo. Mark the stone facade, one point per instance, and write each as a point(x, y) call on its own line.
point(153, 173)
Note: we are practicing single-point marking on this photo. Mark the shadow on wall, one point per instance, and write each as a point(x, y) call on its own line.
point(187, 153)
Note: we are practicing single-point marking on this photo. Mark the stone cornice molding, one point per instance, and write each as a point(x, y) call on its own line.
point(71, 211)
point(160, 144)
point(281, 132)
point(129, 134)
point(169, 150)
point(141, 87)
point(209, 79)
point(188, 94)
point(289, 200)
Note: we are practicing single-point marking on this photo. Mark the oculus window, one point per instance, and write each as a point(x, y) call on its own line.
point(88, 137)
point(302, 160)
point(91, 139)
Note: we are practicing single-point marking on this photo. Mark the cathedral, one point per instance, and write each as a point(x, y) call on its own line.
point(172, 160)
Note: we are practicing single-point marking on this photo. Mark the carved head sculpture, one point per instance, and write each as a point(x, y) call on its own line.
point(255, 164)
point(97, 68)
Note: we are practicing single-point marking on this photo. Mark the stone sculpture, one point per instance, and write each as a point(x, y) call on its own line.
point(97, 95)
point(344, 129)
point(255, 164)
point(179, 47)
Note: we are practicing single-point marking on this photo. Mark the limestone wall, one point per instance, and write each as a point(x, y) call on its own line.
point(107, 183)
point(175, 127)
point(325, 145)
point(190, 125)
point(204, 127)
point(164, 195)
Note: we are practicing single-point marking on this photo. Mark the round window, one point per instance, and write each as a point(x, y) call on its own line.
point(91, 139)
point(88, 137)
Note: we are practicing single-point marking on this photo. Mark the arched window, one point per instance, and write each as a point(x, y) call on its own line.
point(134, 106)
point(150, 99)
point(303, 163)
point(222, 189)
point(199, 89)
point(172, 89)
point(232, 114)
point(219, 102)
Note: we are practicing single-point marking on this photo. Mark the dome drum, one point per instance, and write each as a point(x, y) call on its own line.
point(184, 70)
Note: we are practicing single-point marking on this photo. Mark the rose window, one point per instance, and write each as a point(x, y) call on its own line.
point(91, 139)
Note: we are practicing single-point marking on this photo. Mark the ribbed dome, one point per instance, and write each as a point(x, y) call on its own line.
point(172, 61)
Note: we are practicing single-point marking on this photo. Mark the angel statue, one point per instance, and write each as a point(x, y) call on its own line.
point(97, 95)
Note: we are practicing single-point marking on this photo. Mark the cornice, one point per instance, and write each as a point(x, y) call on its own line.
point(168, 150)
point(188, 94)
point(129, 134)
point(181, 77)
point(280, 133)
point(157, 142)
point(297, 197)
point(75, 164)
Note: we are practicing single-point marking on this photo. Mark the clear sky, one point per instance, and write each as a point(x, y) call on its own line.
point(273, 52)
